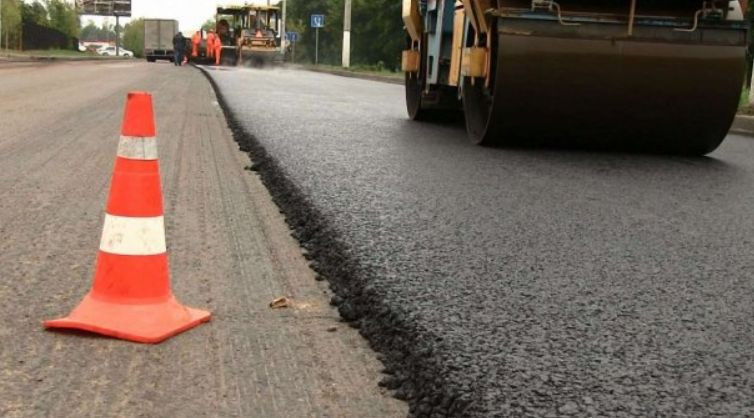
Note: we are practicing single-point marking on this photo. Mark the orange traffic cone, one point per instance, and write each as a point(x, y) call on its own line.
point(131, 297)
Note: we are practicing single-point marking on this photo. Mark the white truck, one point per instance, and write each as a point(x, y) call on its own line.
point(158, 39)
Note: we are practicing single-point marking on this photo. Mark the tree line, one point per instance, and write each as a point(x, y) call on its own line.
point(57, 15)
point(132, 34)
point(377, 36)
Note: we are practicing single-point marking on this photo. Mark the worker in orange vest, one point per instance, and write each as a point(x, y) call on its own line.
point(211, 44)
point(218, 50)
point(195, 44)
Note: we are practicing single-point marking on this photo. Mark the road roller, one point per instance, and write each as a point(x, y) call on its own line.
point(657, 75)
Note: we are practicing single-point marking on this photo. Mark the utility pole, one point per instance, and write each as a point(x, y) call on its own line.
point(117, 36)
point(751, 88)
point(283, 33)
point(1, 25)
point(347, 35)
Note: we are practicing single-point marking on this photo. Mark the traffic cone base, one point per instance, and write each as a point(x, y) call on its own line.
point(143, 323)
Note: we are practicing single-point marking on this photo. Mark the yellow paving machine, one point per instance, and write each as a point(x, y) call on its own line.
point(260, 44)
point(250, 35)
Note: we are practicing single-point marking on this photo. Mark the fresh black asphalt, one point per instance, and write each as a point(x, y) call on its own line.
point(513, 282)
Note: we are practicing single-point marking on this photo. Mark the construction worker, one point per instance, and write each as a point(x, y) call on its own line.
point(179, 47)
point(211, 44)
point(223, 29)
point(195, 44)
point(218, 50)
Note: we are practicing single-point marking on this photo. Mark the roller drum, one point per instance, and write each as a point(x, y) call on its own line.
point(609, 92)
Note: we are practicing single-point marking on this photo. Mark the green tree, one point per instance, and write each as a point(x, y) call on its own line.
point(63, 17)
point(89, 32)
point(133, 37)
point(209, 25)
point(92, 32)
point(35, 13)
point(377, 36)
point(330, 37)
point(11, 24)
point(377, 33)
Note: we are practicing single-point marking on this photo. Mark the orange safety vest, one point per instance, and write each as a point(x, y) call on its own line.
point(210, 44)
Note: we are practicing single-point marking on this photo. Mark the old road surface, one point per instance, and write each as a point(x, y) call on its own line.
point(230, 251)
point(509, 282)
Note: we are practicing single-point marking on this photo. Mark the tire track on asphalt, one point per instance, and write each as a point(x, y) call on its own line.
point(212, 193)
point(63, 117)
point(243, 273)
point(202, 195)
point(211, 190)
point(85, 175)
point(202, 183)
point(43, 155)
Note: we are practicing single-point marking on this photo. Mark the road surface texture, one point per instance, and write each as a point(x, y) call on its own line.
point(230, 251)
point(513, 282)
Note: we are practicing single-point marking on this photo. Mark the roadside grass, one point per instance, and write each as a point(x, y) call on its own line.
point(744, 107)
point(57, 53)
point(360, 69)
point(53, 53)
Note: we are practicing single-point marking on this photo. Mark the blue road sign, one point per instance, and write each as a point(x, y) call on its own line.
point(318, 21)
point(292, 36)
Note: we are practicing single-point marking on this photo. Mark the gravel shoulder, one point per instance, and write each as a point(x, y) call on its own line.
point(230, 251)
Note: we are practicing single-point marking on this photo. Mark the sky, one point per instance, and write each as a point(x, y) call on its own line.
point(189, 13)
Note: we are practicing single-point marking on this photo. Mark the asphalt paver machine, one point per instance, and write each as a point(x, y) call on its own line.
point(230, 21)
point(260, 44)
point(250, 35)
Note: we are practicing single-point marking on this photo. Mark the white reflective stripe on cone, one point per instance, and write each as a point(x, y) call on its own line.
point(133, 236)
point(137, 148)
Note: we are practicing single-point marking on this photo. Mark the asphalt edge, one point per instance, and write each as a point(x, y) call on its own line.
point(743, 125)
point(410, 369)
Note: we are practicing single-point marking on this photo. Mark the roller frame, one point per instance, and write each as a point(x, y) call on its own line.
point(435, 53)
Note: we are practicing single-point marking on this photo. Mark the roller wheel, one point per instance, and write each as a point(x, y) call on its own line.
point(414, 88)
point(415, 84)
point(479, 100)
